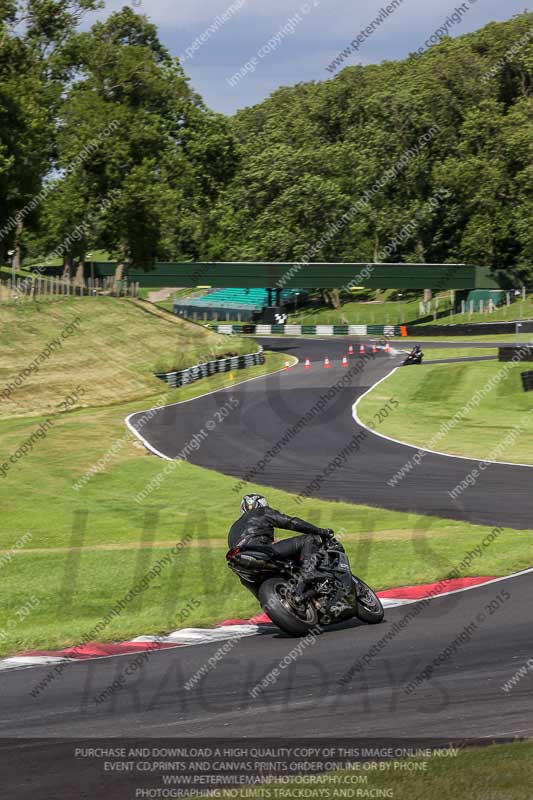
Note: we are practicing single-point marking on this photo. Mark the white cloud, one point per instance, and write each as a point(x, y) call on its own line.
point(183, 13)
point(304, 55)
point(338, 12)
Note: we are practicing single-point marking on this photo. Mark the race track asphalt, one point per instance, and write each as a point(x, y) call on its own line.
point(350, 681)
point(463, 697)
point(269, 407)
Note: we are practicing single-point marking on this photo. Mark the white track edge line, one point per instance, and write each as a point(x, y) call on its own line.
point(469, 588)
point(399, 602)
point(410, 446)
point(190, 399)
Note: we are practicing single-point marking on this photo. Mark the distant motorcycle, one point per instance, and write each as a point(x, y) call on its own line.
point(334, 593)
point(414, 357)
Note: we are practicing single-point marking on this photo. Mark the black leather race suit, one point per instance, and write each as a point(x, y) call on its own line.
point(257, 527)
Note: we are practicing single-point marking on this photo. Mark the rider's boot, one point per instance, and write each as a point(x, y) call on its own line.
point(307, 575)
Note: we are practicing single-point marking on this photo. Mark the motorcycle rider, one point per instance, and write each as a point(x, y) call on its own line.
point(415, 356)
point(256, 526)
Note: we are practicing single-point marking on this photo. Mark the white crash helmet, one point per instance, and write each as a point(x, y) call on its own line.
point(250, 502)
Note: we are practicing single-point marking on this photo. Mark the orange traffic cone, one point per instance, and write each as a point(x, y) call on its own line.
point(326, 362)
point(307, 364)
point(344, 361)
point(287, 365)
point(387, 348)
point(374, 348)
point(350, 350)
point(362, 348)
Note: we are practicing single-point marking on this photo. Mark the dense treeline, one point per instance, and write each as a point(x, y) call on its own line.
point(103, 144)
point(310, 152)
point(425, 159)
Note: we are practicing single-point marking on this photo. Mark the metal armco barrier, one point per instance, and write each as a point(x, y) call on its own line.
point(184, 376)
point(527, 381)
point(516, 353)
point(470, 329)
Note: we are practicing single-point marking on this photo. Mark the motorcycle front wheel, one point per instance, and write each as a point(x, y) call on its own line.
point(275, 599)
point(369, 608)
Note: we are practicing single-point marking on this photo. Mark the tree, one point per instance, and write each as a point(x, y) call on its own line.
point(33, 72)
point(309, 153)
point(161, 154)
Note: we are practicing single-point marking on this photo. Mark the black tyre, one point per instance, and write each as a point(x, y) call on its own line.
point(369, 608)
point(274, 596)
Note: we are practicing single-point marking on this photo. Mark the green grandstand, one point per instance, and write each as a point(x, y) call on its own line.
point(232, 305)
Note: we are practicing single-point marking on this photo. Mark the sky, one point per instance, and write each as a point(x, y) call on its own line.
point(252, 47)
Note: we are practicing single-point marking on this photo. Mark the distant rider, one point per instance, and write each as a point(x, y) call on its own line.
point(256, 526)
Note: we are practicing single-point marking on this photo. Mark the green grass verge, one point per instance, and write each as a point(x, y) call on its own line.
point(89, 546)
point(434, 353)
point(431, 396)
point(87, 540)
point(496, 772)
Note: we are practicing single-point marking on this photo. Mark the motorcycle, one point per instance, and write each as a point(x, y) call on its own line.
point(413, 358)
point(334, 594)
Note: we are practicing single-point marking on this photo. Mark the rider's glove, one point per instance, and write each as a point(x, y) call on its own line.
point(327, 533)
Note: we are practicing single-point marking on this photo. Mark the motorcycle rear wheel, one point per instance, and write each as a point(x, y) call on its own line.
point(272, 596)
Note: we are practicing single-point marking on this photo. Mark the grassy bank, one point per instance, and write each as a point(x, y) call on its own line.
point(89, 352)
point(430, 396)
point(519, 309)
point(406, 312)
point(496, 772)
point(359, 313)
